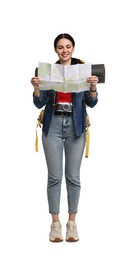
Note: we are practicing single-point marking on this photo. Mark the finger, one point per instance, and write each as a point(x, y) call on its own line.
point(35, 80)
point(93, 79)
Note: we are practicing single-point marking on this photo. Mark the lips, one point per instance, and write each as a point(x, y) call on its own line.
point(65, 55)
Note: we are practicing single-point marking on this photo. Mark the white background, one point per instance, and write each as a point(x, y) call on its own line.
point(101, 30)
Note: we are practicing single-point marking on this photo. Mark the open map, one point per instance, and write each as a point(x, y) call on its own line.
point(64, 78)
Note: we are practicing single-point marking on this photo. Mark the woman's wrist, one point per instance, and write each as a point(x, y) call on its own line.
point(36, 92)
point(93, 91)
point(93, 87)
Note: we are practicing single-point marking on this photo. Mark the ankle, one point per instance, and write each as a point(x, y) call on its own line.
point(72, 217)
point(55, 218)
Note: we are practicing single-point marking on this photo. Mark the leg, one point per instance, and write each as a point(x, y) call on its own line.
point(53, 148)
point(74, 148)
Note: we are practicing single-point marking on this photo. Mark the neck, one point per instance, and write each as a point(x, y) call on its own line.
point(68, 62)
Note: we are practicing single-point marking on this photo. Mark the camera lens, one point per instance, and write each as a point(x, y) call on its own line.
point(66, 107)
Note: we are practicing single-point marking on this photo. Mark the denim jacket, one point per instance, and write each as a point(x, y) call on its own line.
point(80, 100)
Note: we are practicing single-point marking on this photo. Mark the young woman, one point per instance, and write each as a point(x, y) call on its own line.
point(64, 130)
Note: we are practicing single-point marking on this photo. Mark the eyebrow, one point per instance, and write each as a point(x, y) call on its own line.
point(68, 45)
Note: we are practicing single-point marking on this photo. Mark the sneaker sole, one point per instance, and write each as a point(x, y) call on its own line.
point(72, 239)
point(56, 240)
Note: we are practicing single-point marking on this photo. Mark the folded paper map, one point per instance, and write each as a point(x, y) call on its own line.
point(64, 78)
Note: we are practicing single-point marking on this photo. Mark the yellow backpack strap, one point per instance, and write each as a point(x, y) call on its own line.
point(87, 136)
point(39, 122)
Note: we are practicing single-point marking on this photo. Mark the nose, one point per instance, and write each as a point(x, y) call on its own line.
point(64, 49)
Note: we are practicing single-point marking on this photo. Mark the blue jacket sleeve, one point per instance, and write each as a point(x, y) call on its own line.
point(90, 101)
point(41, 101)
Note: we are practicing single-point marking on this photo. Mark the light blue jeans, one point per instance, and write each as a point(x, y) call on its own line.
point(62, 138)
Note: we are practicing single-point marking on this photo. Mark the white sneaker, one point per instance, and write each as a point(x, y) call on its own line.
point(71, 233)
point(55, 233)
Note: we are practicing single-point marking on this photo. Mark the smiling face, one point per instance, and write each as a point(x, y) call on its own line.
point(64, 50)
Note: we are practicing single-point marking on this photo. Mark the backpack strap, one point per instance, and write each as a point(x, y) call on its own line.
point(87, 136)
point(39, 123)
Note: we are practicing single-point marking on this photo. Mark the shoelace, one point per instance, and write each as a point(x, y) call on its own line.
point(71, 227)
point(56, 228)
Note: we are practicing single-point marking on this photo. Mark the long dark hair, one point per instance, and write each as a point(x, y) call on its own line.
point(62, 36)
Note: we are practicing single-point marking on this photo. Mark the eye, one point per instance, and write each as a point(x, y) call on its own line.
point(68, 46)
